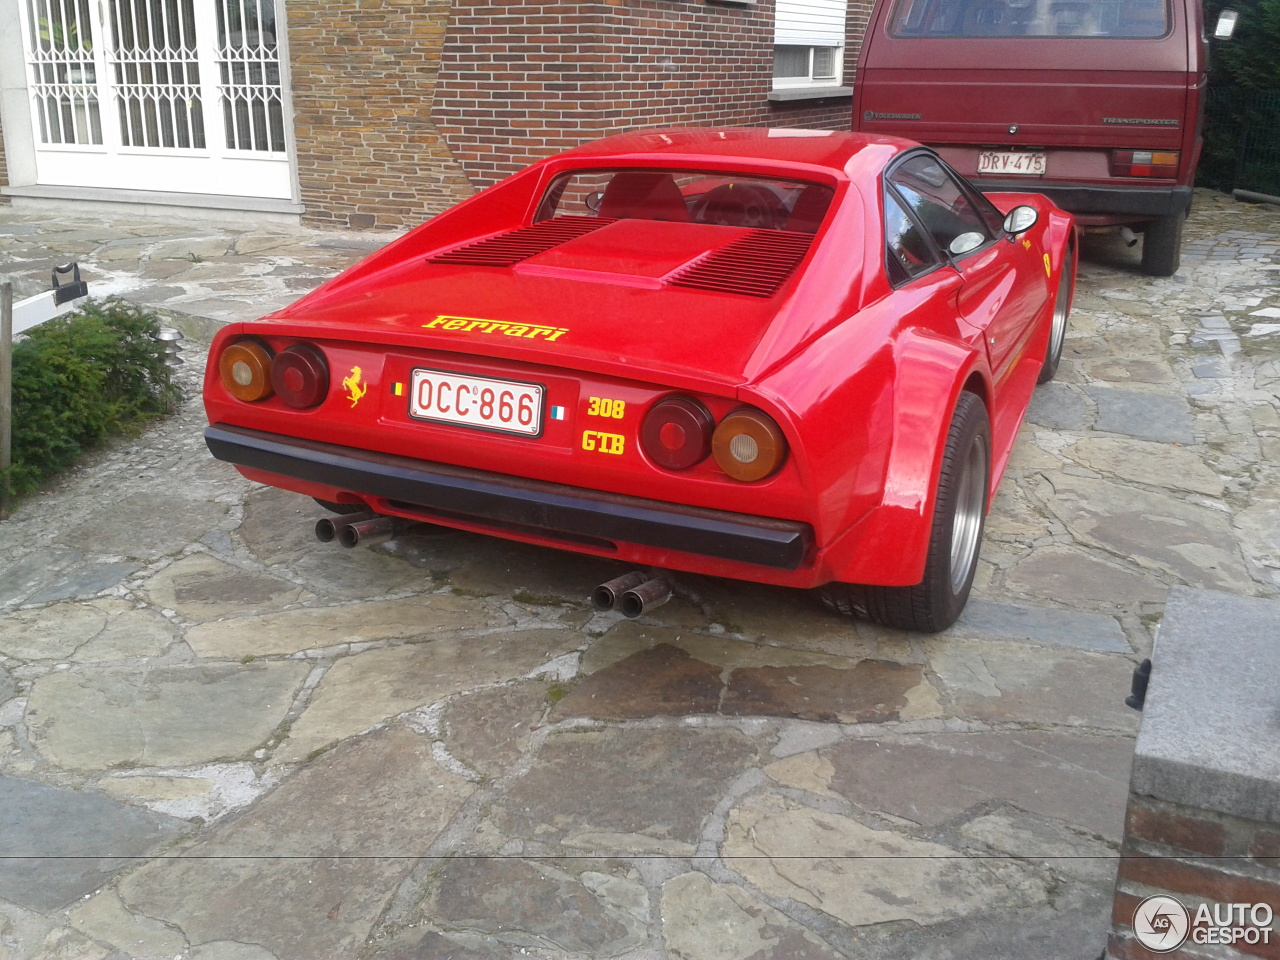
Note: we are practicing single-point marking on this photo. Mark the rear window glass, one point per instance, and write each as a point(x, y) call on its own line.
point(1030, 18)
point(685, 196)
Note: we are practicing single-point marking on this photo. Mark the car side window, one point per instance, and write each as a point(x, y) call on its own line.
point(909, 251)
point(939, 201)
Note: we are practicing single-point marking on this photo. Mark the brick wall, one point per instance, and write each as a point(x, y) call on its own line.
point(404, 107)
point(364, 74)
point(1195, 856)
point(521, 80)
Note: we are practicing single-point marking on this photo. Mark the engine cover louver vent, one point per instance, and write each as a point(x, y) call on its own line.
point(507, 249)
point(755, 265)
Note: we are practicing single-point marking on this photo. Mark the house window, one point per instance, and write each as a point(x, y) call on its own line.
point(808, 43)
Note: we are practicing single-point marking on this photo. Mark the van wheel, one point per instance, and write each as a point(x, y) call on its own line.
point(1162, 245)
point(1058, 330)
point(959, 513)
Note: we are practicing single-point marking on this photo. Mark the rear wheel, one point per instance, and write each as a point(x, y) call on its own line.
point(1162, 245)
point(959, 514)
point(1058, 330)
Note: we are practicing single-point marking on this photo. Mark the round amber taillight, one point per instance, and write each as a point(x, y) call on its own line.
point(300, 375)
point(676, 433)
point(748, 445)
point(245, 368)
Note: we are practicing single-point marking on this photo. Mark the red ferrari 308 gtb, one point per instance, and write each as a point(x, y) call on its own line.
point(795, 357)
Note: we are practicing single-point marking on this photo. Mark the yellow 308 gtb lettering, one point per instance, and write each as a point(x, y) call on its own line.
point(613, 443)
point(604, 407)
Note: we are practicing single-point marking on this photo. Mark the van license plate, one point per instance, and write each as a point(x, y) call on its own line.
point(1024, 163)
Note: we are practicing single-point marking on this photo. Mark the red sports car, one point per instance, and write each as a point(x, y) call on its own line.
point(788, 356)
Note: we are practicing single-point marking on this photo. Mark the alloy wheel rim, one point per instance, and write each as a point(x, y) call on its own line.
point(1058, 332)
point(966, 524)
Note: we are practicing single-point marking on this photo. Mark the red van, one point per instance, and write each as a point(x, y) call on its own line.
point(1096, 103)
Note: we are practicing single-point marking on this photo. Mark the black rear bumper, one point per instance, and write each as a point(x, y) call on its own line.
point(1130, 201)
point(557, 510)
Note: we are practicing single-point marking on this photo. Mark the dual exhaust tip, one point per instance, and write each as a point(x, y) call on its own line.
point(631, 594)
point(362, 529)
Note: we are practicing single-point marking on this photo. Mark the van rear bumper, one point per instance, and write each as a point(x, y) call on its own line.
point(1074, 198)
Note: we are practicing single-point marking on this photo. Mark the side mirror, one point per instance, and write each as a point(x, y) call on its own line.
point(966, 242)
point(1226, 25)
point(593, 200)
point(1020, 220)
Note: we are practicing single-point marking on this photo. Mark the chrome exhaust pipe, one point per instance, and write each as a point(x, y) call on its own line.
point(606, 595)
point(1128, 236)
point(642, 598)
point(366, 533)
point(327, 527)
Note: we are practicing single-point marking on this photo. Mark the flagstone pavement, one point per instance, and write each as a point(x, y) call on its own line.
point(223, 740)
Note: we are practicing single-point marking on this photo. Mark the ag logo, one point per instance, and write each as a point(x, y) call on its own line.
point(1161, 924)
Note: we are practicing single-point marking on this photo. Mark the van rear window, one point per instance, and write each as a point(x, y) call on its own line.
point(1030, 18)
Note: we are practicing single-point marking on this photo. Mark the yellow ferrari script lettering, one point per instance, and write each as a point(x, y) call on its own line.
point(351, 384)
point(530, 331)
point(613, 443)
point(605, 407)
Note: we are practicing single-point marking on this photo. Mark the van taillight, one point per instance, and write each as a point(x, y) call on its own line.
point(1144, 163)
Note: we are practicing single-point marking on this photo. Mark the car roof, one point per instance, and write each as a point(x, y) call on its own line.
point(832, 150)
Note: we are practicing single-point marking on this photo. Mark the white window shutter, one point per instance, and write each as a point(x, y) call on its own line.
point(816, 23)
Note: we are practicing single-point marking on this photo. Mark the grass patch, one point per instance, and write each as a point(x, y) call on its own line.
point(556, 692)
point(80, 379)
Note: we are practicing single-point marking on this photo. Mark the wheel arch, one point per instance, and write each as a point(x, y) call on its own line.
point(889, 545)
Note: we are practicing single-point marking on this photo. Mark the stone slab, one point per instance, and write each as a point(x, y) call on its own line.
point(84, 581)
point(1148, 416)
point(1077, 779)
point(1210, 727)
point(669, 781)
point(306, 872)
point(311, 628)
point(703, 920)
point(145, 525)
point(97, 718)
point(365, 689)
point(1009, 682)
point(523, 903)
point(60, 844)
point(7, 686)
point(1058, 407)
point(863, 876)
point(202, 587)
point(990, 619)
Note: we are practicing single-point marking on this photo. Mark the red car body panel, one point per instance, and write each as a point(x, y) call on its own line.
point(860, 377)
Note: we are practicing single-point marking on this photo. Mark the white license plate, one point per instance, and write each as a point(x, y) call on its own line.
point(504, 405)
point(1025, 163)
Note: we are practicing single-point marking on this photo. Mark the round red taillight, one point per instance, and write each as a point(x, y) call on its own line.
point(676, 433)
point(748, 445)
point(300, 375)
point(245, 368)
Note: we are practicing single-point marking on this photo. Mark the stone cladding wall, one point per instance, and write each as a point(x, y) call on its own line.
point(363, 79)
point(1196, 856)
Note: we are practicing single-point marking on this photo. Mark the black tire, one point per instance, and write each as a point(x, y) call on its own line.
point(1058, 333)
point(959, 516)
point(333, 507)
point(1162, 245)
